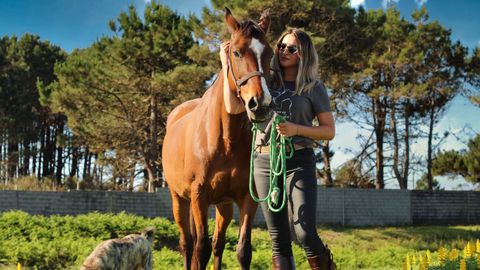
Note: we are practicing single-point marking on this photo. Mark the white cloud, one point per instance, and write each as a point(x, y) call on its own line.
point(386, 2)
point(147, 1)
point(421, 2)
point(357, 3)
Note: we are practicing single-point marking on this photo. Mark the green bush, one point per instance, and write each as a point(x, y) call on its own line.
point(63, 242)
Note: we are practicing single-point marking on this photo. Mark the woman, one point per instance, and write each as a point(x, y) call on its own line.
point(300, 98)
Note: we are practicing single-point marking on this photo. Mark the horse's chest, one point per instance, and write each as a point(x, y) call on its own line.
point(223, 183)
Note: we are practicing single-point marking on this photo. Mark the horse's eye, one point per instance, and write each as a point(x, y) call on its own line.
point(237, 54)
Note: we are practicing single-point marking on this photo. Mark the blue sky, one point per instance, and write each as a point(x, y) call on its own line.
point(77, 23)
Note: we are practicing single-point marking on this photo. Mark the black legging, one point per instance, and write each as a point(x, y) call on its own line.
point(302, 202)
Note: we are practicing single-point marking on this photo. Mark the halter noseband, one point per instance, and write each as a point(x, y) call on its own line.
point(244, 79)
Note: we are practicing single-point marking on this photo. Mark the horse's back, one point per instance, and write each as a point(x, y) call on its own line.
point(182, 110)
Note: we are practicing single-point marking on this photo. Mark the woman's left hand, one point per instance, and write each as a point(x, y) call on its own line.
point(287, 129)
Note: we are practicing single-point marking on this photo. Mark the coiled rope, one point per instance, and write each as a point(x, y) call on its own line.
point(278, 166)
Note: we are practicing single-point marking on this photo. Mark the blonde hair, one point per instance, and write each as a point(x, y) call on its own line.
point(307, 66)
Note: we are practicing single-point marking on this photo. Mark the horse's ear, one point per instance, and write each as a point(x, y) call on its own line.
point(264, 21)
point(231, 21)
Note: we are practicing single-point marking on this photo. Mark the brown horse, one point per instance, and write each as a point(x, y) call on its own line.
point(206, 150)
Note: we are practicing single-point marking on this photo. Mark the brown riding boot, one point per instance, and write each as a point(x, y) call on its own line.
point(323, 261)
point(283, 263)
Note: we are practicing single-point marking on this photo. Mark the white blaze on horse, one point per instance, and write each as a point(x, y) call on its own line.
point(206, 150)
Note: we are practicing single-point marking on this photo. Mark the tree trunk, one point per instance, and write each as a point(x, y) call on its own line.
point(52, 148)
point(429, 145)
point(74, 163)
point(3, 159)
point(379, 127)
point(41, 153)
point(152, 152)
point(94, 170)
point(58, 175)
point(26, 158)
point(406, 162)
point(34, 159)
point(396, 146)
point(12, 156)
point(86, 164)
point(2, 178)
point(151, 177)
point(47, 159)
point(327, 179)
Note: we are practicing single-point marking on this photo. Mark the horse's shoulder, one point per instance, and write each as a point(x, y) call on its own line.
point(181, 110)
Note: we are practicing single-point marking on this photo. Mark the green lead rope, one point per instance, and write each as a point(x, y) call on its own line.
point(278, 166)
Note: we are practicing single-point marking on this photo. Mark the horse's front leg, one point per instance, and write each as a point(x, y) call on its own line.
point(181, 213)
point(203, 247)
point(223, 216)
point(247, 208)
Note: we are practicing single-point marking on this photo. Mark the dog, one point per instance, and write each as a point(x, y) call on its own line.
point(133, 252)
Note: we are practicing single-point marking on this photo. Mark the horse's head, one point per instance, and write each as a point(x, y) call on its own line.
point(249, 63)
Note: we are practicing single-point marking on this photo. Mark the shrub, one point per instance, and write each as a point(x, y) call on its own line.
point(445, 259)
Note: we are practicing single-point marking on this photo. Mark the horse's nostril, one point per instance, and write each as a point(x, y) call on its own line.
point(253, 104)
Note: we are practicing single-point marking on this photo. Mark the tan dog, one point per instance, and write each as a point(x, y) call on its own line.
point(133, 252)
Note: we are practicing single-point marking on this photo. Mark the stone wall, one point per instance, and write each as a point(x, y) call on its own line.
point(346, 207)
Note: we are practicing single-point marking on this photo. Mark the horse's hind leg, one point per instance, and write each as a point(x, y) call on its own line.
point(247, 211)
point(203, 246)
point(223, 216)
point(181, 213)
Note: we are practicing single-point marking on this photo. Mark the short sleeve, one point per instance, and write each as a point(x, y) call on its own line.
point(319, 98)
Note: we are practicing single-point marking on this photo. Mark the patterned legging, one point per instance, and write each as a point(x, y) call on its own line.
point(298, 220)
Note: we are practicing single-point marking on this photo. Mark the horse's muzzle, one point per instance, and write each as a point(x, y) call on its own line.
point(259, 115)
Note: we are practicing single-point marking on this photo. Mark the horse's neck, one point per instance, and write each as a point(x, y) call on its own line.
point(232, 125)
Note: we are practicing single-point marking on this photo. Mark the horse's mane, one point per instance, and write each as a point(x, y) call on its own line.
point(250, 28)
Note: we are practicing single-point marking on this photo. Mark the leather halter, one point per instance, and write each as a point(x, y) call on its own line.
point(244, 79)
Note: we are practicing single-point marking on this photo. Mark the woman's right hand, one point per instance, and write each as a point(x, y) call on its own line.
point(224, 54)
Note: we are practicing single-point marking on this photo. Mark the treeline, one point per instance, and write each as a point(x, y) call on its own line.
point(95, 118)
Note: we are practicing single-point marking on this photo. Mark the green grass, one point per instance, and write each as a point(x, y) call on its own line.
point(63, 242)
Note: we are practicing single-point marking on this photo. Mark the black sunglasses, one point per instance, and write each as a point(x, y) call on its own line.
point(291, 48)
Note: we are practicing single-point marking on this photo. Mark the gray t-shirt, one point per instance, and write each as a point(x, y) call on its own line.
point(299, 109)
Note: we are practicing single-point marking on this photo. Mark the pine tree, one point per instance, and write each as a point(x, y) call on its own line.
point(118, 92)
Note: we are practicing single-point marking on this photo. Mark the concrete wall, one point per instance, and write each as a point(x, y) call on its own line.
point(346, 207)
point(446, 207)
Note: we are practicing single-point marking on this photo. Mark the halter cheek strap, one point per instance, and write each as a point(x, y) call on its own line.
point(244, 78)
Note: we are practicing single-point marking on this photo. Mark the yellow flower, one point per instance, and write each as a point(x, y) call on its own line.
point(478, 246)
point(425, 262)
point(466, 252)
point(453, 254)
point(470, 249)
point(463, 264)
point(407, 265)
point(429, 257)
point(414, 260)
point(442, 255)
